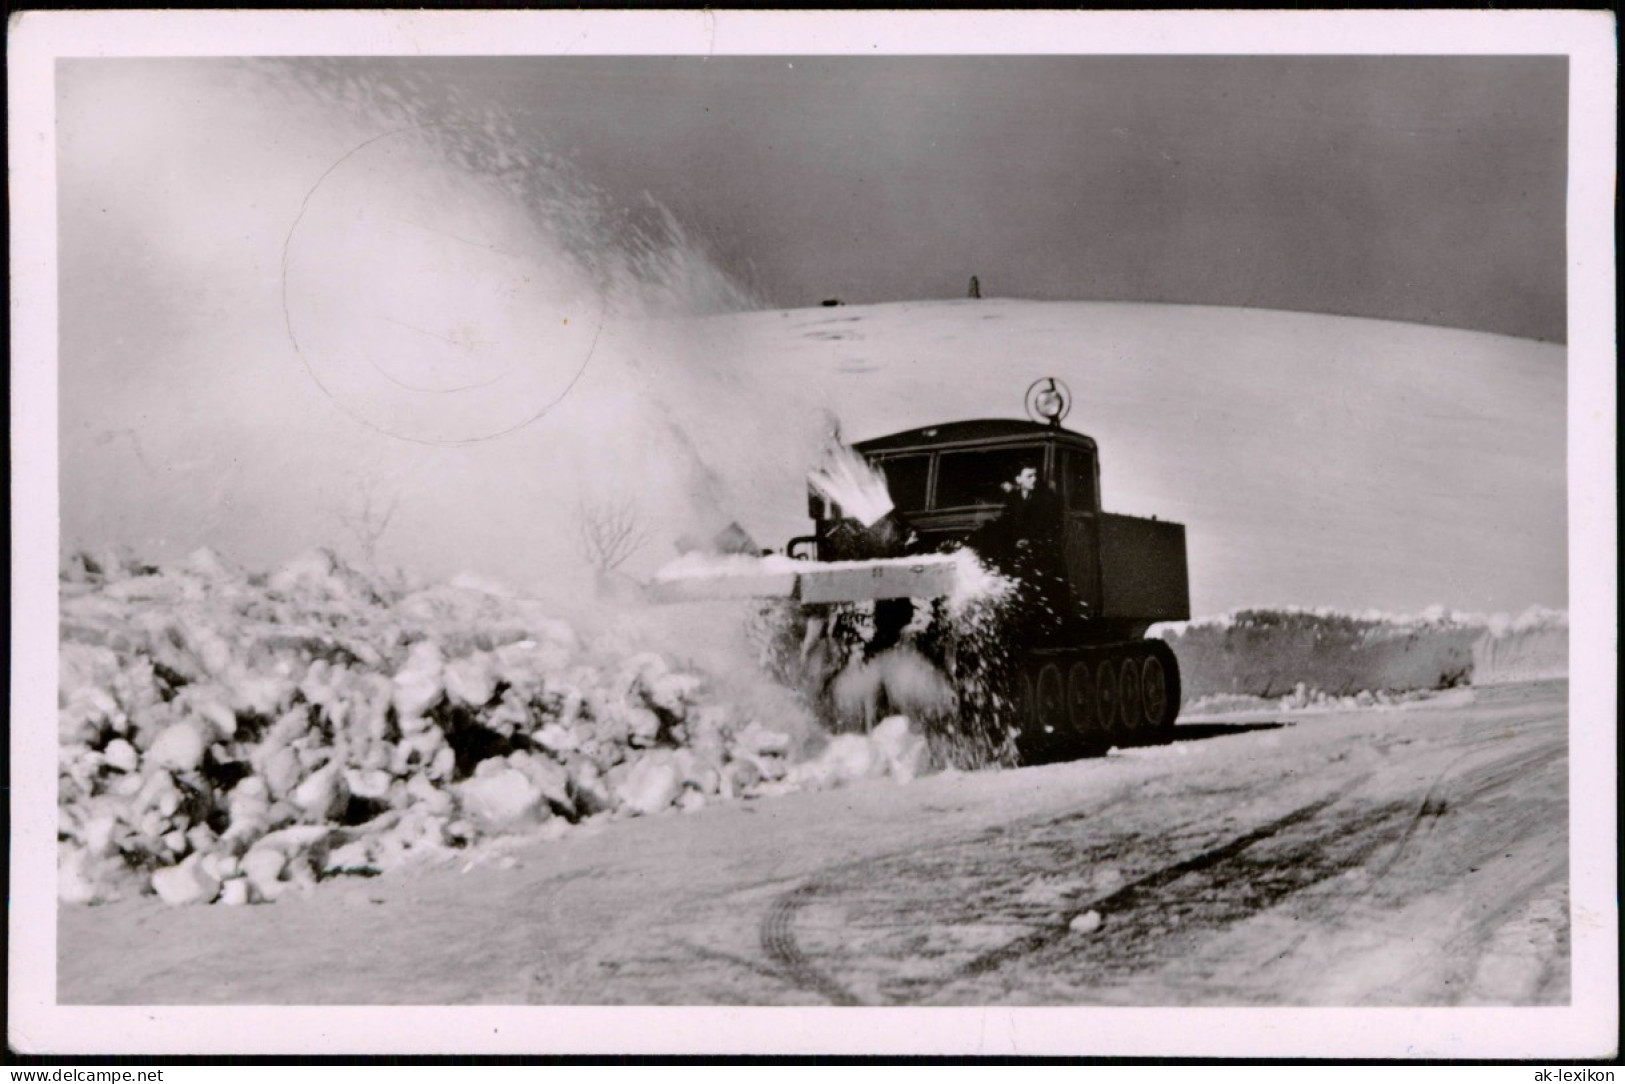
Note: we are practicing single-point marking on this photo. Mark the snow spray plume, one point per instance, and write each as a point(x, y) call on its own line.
point(845, 479)
point(300, 246)
point(972, 633)
point(594, 273)
point(950, 675)
point(642, 260)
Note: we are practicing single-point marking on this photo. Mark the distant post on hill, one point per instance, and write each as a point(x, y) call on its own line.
point(975, 287)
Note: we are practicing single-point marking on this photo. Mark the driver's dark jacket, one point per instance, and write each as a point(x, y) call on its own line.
point(1025, 540)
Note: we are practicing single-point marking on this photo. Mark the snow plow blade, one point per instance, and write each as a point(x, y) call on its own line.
point(855, 581)
point(927, 576)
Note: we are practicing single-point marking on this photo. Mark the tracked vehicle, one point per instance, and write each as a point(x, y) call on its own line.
point(1080, 673)
point(1084, 673)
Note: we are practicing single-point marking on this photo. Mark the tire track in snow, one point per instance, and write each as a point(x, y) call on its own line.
point(1456, 786)
point(1436, 802)
point(1421, 861)
point(931, 924)
point(779, 943)
point(1124, 898)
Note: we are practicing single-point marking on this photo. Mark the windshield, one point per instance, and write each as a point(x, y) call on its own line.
point(906, 478)
point(978, 477)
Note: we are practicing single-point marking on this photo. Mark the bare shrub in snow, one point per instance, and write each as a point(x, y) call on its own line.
point(367, 515)
point(609, 532)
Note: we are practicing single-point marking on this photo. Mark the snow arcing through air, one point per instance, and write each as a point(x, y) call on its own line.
point(845, 479)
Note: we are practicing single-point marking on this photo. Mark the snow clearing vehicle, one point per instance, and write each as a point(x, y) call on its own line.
point(1079, 673)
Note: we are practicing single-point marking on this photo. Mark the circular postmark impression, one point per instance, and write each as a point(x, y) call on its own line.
point(426, 302)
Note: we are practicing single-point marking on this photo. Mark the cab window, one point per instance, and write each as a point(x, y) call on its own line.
point(970, 478)
point(1078, 472)
point(906, 479)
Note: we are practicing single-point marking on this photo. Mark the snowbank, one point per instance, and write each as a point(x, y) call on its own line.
point(1305, 654)
point(229, 737)
point(1534, 647)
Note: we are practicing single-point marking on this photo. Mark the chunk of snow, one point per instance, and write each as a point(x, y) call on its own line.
point(262, 868)
point(1088, 922)
point(419, 681)
point(503, 799)
point(121, 754)
point(179, 747)
point(737, 778)
point(673, 692)
point(556, 739)
point(185, 884)
point(850, 757)
point(472, 680)
point(324, 793)
point(903, 751)
point(550, 777)
point(651, 785)
point(282, 771)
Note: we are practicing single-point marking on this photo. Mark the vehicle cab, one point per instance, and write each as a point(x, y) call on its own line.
point(949, 480)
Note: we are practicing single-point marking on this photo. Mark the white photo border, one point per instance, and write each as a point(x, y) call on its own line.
point(1584, 1029)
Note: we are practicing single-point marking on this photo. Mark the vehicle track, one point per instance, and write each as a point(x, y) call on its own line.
point(1462, 800)
point(779, 943)
point(1127, 897)
point(1438, 799)
point(983, 899)
point(1223, 882)
point(984, 915)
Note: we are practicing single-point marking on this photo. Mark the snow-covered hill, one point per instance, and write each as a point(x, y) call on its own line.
point(1315, 460)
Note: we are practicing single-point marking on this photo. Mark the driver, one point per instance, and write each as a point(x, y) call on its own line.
point(1027, 527)
point(1024, 542)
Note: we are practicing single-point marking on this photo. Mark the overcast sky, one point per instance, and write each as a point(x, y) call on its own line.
point(1405, 188)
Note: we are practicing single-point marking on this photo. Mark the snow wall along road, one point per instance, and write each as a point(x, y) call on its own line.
point(1271, 653)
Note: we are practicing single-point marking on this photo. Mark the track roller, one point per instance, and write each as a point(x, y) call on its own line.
point(1080, 701)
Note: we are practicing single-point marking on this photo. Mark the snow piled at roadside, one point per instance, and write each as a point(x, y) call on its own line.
point(1432, 617)
point(230, 737)
point(1305, 658)
point(1531, 647)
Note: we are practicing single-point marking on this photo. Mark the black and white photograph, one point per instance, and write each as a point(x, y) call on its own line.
point(527, 522)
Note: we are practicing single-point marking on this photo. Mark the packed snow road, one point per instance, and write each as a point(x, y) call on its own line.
point(1414, 856)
